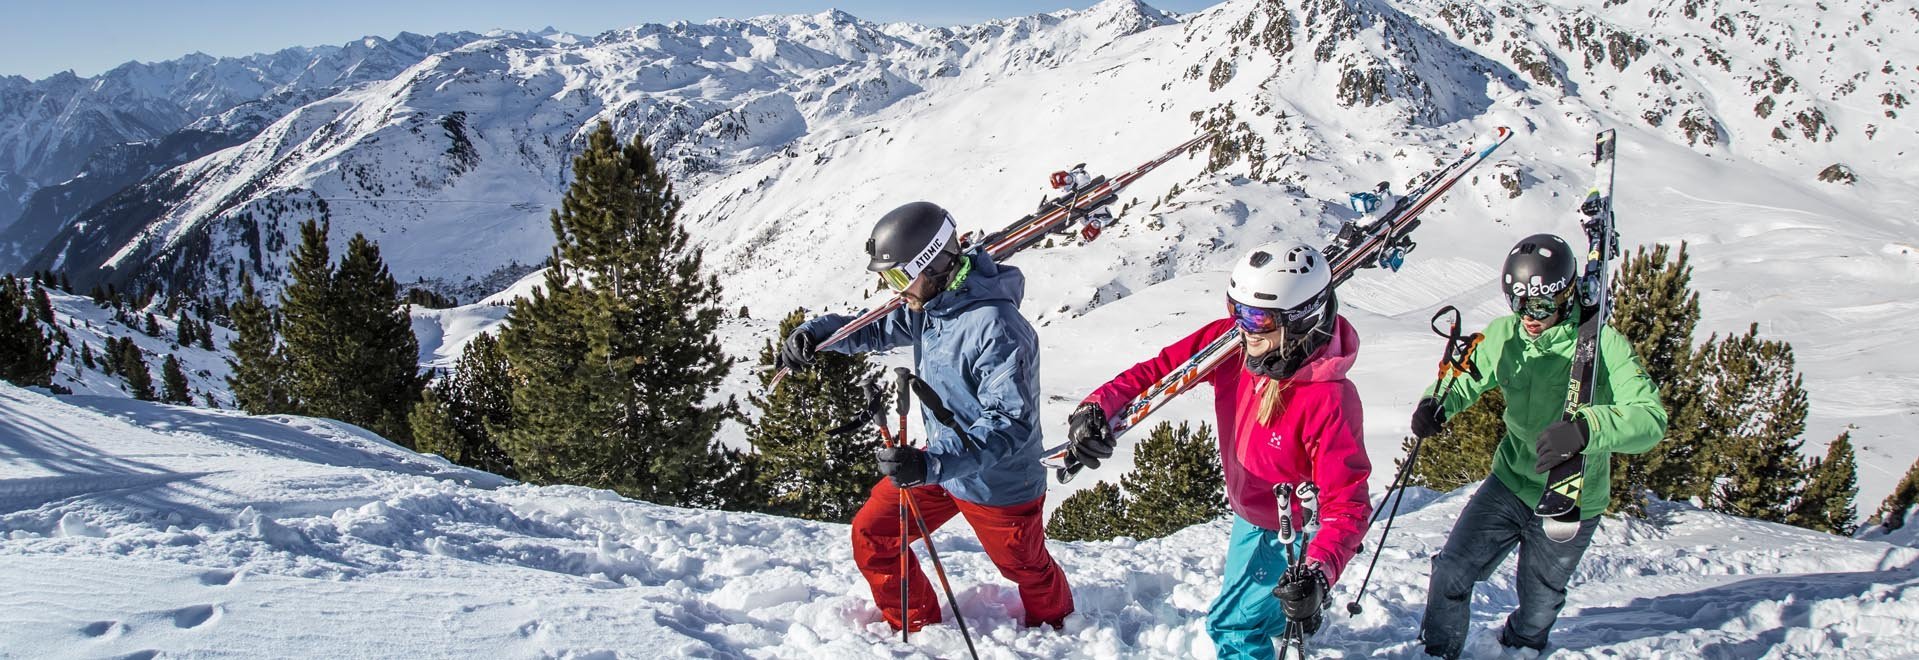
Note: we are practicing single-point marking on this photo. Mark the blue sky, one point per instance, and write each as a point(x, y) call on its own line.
point(42, 37)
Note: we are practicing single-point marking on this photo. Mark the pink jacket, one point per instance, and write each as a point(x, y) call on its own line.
point(1318, 436)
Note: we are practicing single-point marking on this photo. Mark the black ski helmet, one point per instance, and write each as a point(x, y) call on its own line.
point(912, 239)
point(1540, 266)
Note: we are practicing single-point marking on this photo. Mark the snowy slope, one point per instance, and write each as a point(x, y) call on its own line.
point(137, 529)
point(89, 325)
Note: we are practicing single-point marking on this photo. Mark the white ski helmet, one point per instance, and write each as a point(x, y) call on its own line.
point(1286, 275)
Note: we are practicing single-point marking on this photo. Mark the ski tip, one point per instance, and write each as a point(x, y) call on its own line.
point(1560, 531)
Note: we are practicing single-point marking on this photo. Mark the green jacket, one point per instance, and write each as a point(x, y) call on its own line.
point(1625, 417)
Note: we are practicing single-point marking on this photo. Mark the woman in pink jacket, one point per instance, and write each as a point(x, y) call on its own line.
point(1287, 415)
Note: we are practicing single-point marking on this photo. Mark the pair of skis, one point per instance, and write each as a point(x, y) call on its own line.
point(1024, 232)
point(1558, 508)
point(1383, 242)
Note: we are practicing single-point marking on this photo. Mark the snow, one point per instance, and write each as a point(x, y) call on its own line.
point(130, 528)
point(216, 533)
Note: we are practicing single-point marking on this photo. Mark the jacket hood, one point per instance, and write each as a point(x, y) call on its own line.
point(1333, 360)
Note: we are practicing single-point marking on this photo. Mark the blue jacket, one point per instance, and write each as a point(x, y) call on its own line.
point(982, 358)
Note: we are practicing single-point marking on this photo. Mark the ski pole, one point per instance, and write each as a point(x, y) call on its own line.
point(926, 537)
point(1283, 497)
point(887, 439)
point(1308, 495)
point(1453, 361)
point(907, 505)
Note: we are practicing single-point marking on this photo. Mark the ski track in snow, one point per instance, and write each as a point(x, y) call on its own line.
point(139, 530)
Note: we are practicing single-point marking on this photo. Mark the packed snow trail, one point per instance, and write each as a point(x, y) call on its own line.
point(136, 529)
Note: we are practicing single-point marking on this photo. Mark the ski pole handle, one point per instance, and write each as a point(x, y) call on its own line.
point(1284, 494)
point(1308, 495)
point(904, 403)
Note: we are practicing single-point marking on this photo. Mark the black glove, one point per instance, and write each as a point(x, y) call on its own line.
point(1302, 596)
point(1559, 443)
point(797, 351)
point(906, 465)
point(1429, 418)
point(1087, 436)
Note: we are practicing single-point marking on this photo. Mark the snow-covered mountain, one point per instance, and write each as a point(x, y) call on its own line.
point(136, 529)
point(464, 152)
point(83, 139)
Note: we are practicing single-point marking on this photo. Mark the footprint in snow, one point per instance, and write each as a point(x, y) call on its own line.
point(104, 629)
point(195, 616)
point(219, 578)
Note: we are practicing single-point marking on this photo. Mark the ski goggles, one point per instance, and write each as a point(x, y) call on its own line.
point(1262, 320)
point(901, 276)
point(1540, 308)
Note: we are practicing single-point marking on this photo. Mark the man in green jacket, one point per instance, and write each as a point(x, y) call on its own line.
point(1529, 356)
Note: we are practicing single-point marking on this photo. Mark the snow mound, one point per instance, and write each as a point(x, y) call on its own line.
point(134, 528)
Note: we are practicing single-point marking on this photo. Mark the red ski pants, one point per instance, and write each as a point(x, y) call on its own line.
point(1013, 536)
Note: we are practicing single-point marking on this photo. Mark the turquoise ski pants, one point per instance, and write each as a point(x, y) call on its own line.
point(1245, 617)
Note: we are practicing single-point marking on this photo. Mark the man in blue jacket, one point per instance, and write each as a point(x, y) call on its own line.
point(975, 351)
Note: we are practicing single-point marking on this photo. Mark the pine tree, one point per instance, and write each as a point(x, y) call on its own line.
point(347, 338)
point(259, 368)
point(43, 305)
point(617, 355)
point(173, 381)
point(206, 336)
point(86, 355)
point(801, 471)
point(377, 356)
point(1759, 403)
point(461, 416)
point(1827, 502)
point(110, 357)
point(1898, 504)
point(99, 296)
point(1655, 308)
point(26, 353)
point(1463, 452)
point(305, 322)
point(432, 425)
point(66, 286)
point(1095, 514)
point(1176, 481)
point(133, 368)
point(185, 331)
point(152, 328)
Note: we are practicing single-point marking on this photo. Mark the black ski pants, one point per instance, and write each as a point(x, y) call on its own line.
point(1493, 522)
